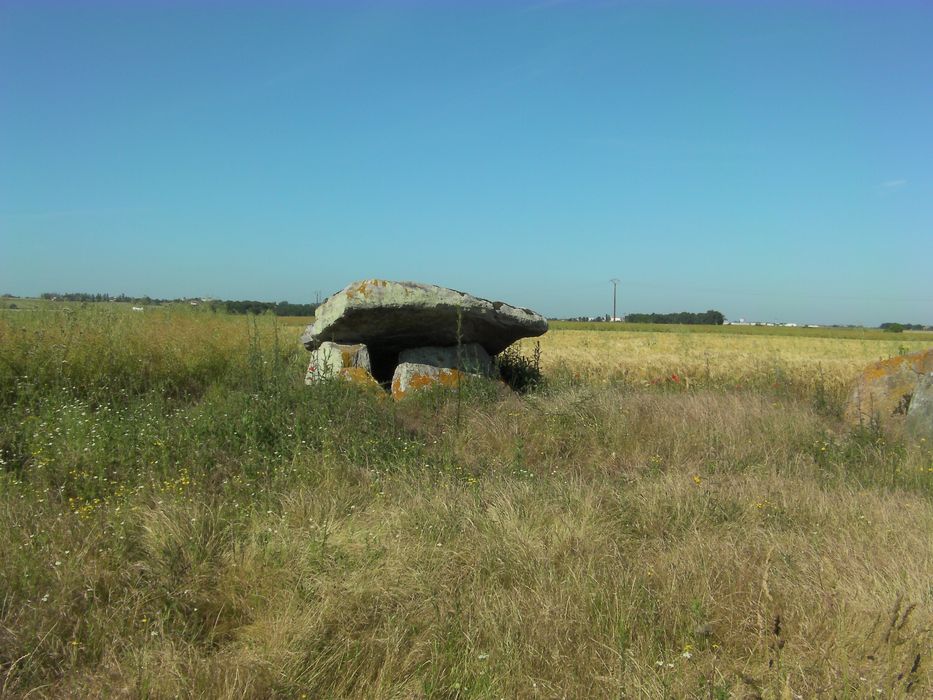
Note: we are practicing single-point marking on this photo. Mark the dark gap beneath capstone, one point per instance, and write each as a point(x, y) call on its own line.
point(383, 365)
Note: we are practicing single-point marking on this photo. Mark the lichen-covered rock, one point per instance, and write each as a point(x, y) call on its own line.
point(920, 413)
point(390, 317)
point(471, 357)
point(885, 388)
point(361, 377)
point(410, 378)
point(329, 359)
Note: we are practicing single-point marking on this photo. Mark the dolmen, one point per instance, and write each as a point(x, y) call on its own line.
point(409, 336)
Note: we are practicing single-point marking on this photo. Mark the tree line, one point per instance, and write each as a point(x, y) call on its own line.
point(707, 318)
point(85, 297)
point(279, 308)
point(900, 327)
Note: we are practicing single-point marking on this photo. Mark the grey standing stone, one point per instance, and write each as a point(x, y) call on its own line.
point(329, 358)
point(410, 378)
point(920, 413)
point(471, 357)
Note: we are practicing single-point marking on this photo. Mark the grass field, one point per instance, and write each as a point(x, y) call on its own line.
point(672, 515)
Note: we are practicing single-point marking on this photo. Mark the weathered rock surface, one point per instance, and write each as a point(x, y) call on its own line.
point(885, 388)
point(409, 378)
point(361, 377)
point(390, 317)
point(920, 413)
point(329, 359)
point(471, 357)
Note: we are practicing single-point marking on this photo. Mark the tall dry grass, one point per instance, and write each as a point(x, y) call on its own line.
point(248, 536)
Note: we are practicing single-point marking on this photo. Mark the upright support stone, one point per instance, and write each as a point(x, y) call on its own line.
point(410, 378)
point(470, 357)
point(330, 359)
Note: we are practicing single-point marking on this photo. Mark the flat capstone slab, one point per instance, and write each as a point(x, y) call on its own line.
point(393, 316)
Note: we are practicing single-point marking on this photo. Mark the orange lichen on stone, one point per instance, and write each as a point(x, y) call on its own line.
point(448, 378)
point(349, 354)
point(330, 358)
point(921, 362)
point(359, 375)
point(884, 388)
point(364, 288)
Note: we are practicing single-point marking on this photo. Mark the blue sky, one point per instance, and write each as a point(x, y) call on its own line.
point(772, 160)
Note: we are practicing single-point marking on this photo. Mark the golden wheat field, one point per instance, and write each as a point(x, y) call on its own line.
point(718, 357)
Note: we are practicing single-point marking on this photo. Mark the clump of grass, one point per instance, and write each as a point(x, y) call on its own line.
point(216, 528)
point(520, 372)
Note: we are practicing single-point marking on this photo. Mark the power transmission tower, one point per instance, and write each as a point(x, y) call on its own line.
point(615, 285)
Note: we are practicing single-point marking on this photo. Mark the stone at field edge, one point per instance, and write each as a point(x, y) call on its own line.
point(884, 389)
point(920, 413)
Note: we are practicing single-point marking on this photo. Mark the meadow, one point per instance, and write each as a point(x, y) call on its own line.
point(670, 514)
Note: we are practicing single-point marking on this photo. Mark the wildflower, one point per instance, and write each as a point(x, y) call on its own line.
point(697, 479)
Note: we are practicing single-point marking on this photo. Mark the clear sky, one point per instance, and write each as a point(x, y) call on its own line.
point(772, 160)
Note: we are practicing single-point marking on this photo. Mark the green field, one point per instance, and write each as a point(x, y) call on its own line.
point(182, 517)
